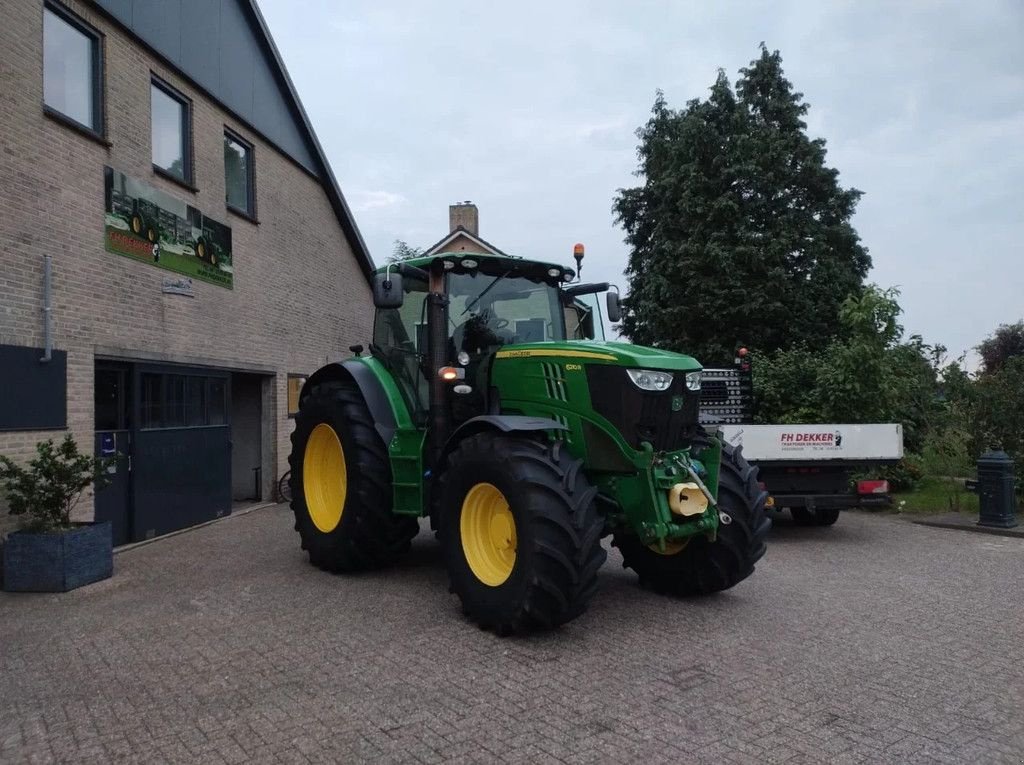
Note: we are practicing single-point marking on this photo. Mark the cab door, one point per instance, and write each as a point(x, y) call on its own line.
point(400, 343)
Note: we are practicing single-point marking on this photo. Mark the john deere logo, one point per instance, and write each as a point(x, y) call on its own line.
point(677, 403)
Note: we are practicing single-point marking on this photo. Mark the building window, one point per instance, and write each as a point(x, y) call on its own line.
point(72, 69)
point(238, 175)
point(182, 401)
point(171, 125)
point(295, 383)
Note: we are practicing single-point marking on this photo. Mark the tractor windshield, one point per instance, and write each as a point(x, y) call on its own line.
point(491, 310)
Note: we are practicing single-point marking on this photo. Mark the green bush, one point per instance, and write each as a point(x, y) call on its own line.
point(905, 474)
point(947, 449)
point(49, 488)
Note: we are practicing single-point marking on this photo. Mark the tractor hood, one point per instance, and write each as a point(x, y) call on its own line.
point(618, 354)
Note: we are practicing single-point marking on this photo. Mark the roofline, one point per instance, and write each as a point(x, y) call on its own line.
point(432, 250)
point(330, 183)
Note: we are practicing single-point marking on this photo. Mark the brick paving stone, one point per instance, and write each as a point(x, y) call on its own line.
point(872, 641)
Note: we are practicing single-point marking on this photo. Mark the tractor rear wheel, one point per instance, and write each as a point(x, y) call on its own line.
point(819, 516)
point(520, 532)
point(341, 483)
point(698, 566)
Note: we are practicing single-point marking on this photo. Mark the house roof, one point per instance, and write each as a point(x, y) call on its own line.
point(462, 231)
point(330, 183)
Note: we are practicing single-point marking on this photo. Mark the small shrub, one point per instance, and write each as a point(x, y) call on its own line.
point(48, 489)
point(947, 453)
point(905, 474)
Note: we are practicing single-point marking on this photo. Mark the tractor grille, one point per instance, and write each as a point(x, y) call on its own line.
point(554, 381)
point(644, 415)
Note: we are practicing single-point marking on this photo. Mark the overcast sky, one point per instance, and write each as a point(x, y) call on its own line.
point(529, 110)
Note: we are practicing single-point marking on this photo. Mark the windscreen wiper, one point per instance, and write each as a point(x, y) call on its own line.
point(486, 290)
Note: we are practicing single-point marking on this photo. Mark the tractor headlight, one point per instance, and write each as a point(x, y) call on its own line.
point(650, 379)
point(693, 381)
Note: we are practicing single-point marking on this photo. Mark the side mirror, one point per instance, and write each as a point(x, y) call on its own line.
point(614, 307)
point(387, 290)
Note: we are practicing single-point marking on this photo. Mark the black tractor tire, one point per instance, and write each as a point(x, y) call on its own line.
point(557, 532)
point(137, 224)
point(368, 535)
point(703, 567)
point(819, 516)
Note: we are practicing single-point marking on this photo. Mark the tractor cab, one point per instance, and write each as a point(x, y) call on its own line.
point(488, 302)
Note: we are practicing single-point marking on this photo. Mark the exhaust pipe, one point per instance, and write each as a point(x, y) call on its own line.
point(437, 357)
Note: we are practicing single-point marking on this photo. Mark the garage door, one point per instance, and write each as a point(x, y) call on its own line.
point(181, 451)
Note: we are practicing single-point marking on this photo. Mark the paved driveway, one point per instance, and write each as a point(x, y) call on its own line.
point(875, 640)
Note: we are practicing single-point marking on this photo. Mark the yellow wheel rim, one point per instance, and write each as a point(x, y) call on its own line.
point(324, 478)
point(488, 532)
point(136, 226)
point(672, 547)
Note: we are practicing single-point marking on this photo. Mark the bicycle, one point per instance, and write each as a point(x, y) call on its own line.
point(284, 488)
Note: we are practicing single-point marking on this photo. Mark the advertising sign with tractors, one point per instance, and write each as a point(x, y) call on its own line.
point(144, 223)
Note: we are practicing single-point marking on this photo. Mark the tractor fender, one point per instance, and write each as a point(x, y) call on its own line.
point(369, 385)
point(505, 423)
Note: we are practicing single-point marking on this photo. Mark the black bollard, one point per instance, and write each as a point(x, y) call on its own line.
point(996, 490)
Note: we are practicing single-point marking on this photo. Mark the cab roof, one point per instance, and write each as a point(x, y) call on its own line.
point(488, 263)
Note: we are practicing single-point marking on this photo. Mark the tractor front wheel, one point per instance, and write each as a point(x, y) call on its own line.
point(341, 483)
point(520, 532)
point(698, 566)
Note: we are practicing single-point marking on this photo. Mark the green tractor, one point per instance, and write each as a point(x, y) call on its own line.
point(523, 446)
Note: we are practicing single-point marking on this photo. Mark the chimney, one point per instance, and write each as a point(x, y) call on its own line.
point(466, 215)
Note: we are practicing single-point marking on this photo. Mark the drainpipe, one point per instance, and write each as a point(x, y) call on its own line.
point(47, 313)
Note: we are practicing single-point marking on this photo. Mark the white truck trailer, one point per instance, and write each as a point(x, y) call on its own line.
point(807, 469)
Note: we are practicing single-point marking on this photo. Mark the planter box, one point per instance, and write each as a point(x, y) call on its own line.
point(58, 561)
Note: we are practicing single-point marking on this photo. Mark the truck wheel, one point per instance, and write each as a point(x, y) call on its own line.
point(819, 516)
point(697, 566)
point(341, 484)
point(520, 532)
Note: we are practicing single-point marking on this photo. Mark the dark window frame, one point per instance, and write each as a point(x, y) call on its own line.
point(165, 401)
point(98, 130)
point(250, 191)
point(123, 406)
point(155, 81)
point(287, 404)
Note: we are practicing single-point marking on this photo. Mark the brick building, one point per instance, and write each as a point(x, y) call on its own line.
point(162, 188)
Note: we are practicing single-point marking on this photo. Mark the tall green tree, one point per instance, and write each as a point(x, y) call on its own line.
point(1005, 343)
point(739, 232)
point(404, 251)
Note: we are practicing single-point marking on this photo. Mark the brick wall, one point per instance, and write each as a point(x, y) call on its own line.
point(299, 297)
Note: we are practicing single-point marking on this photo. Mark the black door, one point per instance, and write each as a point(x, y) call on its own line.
point(113, 439)
point(181, 449)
